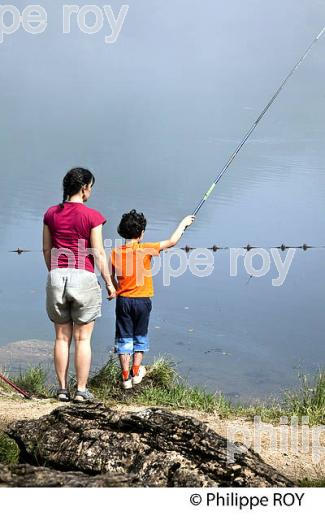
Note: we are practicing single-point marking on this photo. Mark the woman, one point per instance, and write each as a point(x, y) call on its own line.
point(73, 293)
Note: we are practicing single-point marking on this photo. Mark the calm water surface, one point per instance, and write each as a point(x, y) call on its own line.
point(155, 116)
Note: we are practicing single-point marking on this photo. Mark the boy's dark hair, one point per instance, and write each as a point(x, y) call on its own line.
point(132, 224)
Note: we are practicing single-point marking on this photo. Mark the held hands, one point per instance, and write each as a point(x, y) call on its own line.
point(111, 291)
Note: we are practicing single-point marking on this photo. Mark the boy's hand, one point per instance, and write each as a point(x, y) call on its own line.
point(177, 235)
point(188, 221)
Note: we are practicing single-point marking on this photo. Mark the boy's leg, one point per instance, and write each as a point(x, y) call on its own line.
point(124, 335)
point(137, 361)
point(140, 340)
point(125, 365)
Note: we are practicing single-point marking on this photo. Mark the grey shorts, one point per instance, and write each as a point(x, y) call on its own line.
point(73, 295)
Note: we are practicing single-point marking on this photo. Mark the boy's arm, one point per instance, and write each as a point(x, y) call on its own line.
point(178, 233)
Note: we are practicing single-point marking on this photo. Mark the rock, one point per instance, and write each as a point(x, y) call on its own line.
point(25, 353)
point(160, 448)
point(24, 475)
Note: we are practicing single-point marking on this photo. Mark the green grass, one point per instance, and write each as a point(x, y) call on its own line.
point(164, 387)
point(9, 451)
point(161, 387)
point(106, 383)
point(4, 386)
point(163, 373)
point(183, 397)
point(269, 411)
point(309, 399)
point(311, 483)
point(34, 381)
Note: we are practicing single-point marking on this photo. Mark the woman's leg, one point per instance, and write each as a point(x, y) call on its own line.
point(82, 336)
point(61, 352)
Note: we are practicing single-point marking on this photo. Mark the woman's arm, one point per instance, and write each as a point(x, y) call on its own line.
point(113, 277)
point(47, 246)
point(96, 240)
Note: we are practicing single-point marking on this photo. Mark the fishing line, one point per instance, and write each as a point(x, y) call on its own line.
point(215, 248)
point(251, 130)
point(239, 147)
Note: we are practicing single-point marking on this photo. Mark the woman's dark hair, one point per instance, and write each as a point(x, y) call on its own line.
point(132, 224)
point(74, 180)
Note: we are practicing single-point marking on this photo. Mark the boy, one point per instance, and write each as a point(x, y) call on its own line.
point(131, 265)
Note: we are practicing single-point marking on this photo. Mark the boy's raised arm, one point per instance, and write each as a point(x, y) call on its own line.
point(176, 236)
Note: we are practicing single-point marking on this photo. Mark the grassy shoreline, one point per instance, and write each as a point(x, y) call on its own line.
point(163, 386)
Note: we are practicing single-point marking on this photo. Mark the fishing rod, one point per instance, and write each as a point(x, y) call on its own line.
point(15, 387)
point(251, 130)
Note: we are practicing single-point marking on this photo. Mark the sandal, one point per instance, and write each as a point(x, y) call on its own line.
point(63, 395)
point(82, 396)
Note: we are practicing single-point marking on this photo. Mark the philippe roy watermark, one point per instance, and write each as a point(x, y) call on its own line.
point(291, 436)
point(281, 263)
point(200, 262)
point(89, 19)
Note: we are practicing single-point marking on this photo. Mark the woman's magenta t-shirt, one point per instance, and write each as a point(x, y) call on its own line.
point(70, 229)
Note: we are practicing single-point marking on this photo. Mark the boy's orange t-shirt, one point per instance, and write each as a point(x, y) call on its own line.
point(132, 266)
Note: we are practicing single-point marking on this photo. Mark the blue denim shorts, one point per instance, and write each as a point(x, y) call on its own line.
point(132, 322)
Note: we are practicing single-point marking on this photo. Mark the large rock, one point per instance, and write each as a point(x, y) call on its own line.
point(24, 475)
point(158, 447)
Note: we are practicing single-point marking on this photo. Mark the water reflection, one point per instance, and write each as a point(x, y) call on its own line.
point(156, 120)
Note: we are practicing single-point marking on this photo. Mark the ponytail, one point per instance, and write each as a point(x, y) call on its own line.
point(65, 196)
point(73, 182)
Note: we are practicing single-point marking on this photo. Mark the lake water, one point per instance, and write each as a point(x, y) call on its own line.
point(155, 116)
